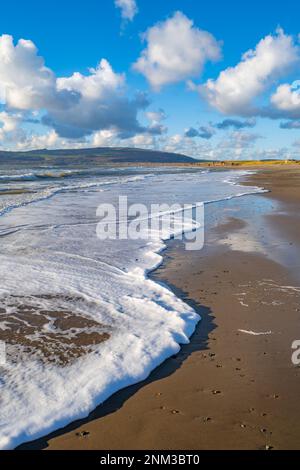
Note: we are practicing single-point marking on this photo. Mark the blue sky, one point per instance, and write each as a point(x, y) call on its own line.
point(165, 81)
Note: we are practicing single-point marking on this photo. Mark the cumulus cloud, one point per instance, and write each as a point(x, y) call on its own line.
point(156, 118)
point(40, 141)
point(236, 88)
point(175, 50)
point(102, 104)
point(142, 141)
point(25, 82)
point(10, 129)
point(204, 132)
point(235, 124)
point(178, 143)
point(128, 8)
point(287, 99)
point(109, 138)
point(104, 138)
point(8, 122)
point(74, 106)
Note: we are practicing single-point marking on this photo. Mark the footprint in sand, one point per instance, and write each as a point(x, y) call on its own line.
point(83, 434)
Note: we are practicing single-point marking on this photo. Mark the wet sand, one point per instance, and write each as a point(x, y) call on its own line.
point(51, 336)
point(234, 386)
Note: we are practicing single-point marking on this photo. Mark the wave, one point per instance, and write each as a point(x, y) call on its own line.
point(39, 175)
point(25, 199)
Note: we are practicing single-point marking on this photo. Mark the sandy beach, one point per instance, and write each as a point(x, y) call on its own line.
point(234, 386)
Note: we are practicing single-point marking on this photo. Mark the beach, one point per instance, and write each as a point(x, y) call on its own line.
point(149, 230)
point(234, 386)
point(80, 316)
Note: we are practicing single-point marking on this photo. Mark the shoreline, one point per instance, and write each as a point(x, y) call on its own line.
point(140, 410)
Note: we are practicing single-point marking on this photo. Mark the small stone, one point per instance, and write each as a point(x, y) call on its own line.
point(243, 425)
point(175, 412)
point(216, 392)
point(83, 434)
point(268, 447)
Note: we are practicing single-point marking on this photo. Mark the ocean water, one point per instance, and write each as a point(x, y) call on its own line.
point(80, 317)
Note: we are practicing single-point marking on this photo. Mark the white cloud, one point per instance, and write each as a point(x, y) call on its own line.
point(238, 141)
point(175, 50)
point(236, 88)
point(25, 82)
point(109, 138)
point(9, 127)
point(128, 8)
point(104, 138)
point(35, 141)
point(142, 141)
point(236, 145)
point(102, 104)
point(287, 99)
point(102, 80)
point(8, 122)
point(48, 140)
point(156, 118)
point(74, 106)
point(178, 143)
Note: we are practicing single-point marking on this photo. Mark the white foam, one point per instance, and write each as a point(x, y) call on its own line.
point(256, 333)
point(51, 259)
point(40, 193)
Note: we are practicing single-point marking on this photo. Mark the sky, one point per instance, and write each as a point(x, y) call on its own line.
point(213, 80)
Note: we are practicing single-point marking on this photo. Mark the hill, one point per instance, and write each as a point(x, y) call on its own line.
point(96, 156)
